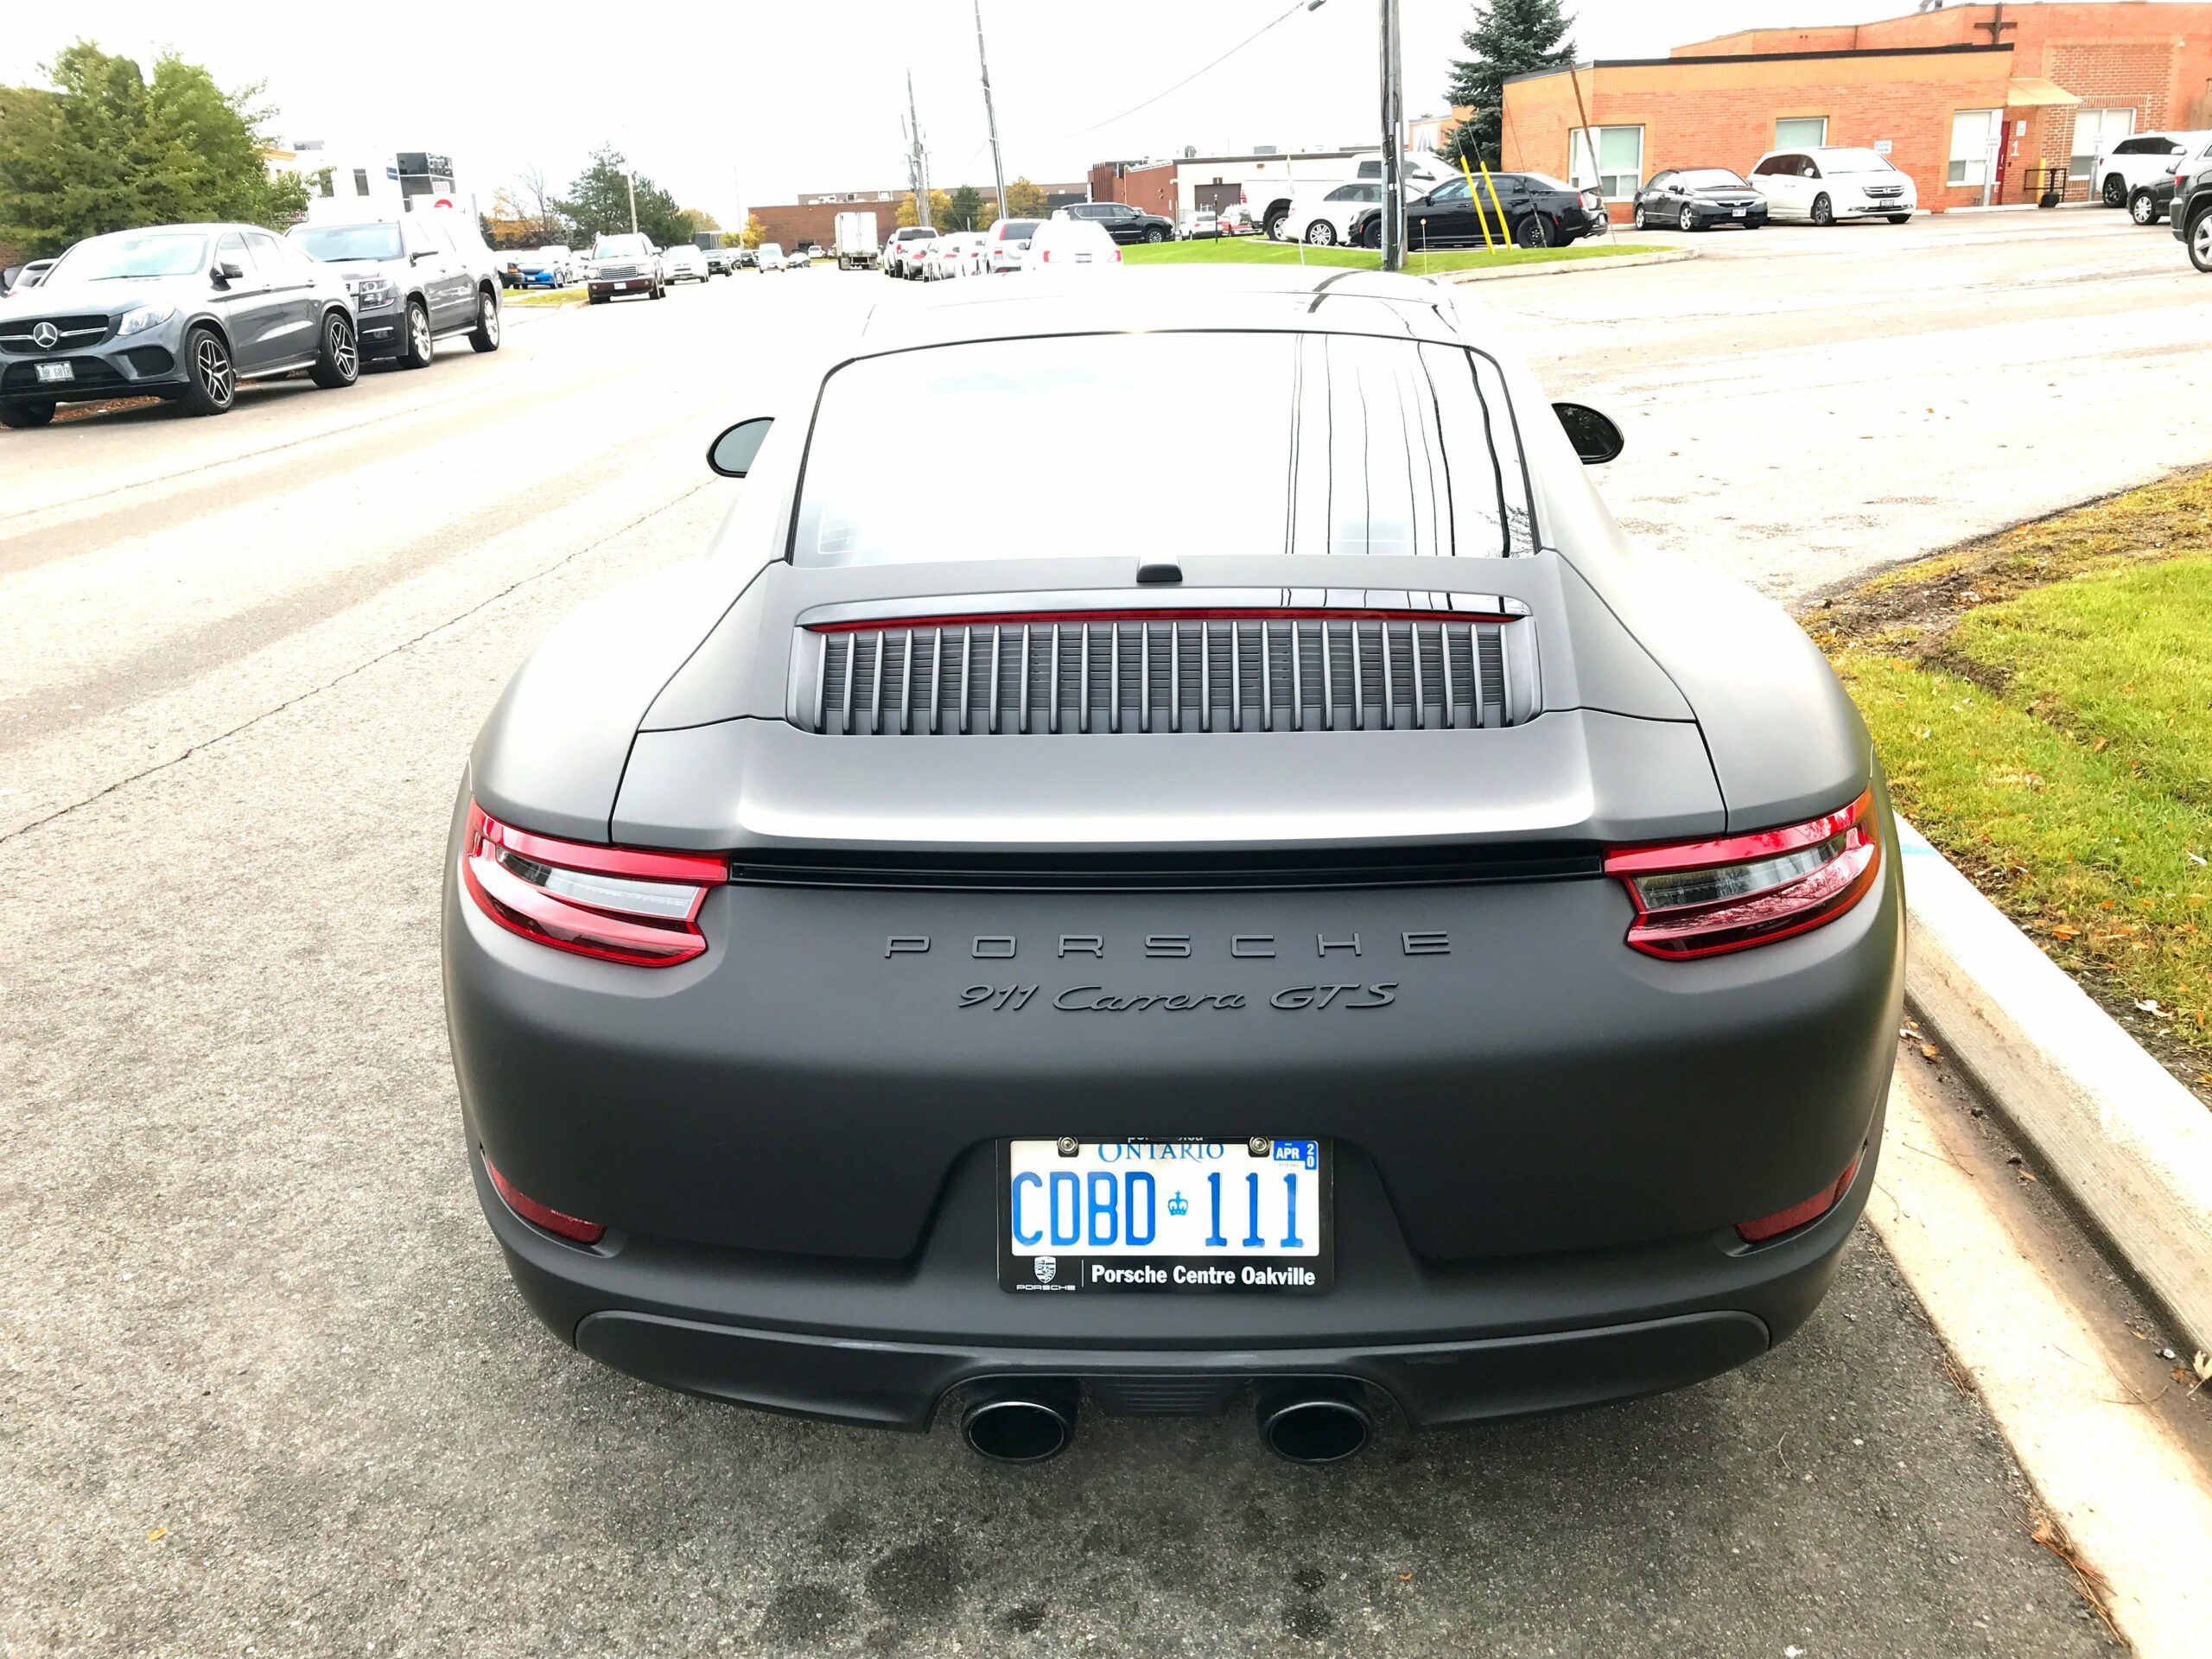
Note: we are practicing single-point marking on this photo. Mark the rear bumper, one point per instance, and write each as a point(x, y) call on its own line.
point(1447, 1346)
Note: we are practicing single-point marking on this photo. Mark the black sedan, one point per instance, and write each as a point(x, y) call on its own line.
point(1396, 941)
point(1697, 199)
point(1526, 209)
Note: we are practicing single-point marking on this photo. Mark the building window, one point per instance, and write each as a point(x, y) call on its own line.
point(1800, 133)
point(2095, 131)
point(1614, 163)
point(1974, 142)
point(360, 181)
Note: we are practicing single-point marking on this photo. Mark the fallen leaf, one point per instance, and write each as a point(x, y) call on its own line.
point(2202, 1366)
point(1930, 1051)
point(157, 1535)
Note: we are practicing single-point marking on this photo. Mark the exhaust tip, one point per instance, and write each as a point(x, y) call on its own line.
point(1022, 1423)
point(1324, 1421)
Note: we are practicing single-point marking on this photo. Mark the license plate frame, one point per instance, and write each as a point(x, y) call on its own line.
point(1229, 1272)
point(55, 374)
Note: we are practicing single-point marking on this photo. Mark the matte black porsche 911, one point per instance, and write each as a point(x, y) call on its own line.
point(1398, 940)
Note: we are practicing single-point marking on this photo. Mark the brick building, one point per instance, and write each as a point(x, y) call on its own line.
point(793, 225)
point(1967, 99)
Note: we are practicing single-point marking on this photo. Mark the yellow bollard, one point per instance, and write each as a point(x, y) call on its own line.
point(1475, 197)
point(1502, 228)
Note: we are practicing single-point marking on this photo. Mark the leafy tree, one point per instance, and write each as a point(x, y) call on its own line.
point(940, 210)
point(1509, 37)
point(755, 231)
point(103, 149)
point(698, 218)
point(1026, 200)
point(598, 202)
point(963, 209)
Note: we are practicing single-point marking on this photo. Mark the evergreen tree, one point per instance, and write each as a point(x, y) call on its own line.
point(598, 203)
point(1509, 37)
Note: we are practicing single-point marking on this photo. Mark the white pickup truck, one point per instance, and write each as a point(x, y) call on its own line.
point(1269, 202)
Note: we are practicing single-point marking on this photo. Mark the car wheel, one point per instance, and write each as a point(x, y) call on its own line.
point(338, 363)
point(210, 383)
point(418, 354)
point(22, 417)
point(1688, 220)
point(2115, 193)
point(2200, 240)
point(1637, 217)
point(1155, 234)
point(487, 337)
point(1321, 234)
point(1533, 233)
point(2143, 207)
point(1900, 218)
point(1272, 223)
point(1823, 209)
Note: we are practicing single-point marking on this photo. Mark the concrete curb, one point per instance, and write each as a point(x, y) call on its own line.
point(1615, 262)
point(2128, 1144)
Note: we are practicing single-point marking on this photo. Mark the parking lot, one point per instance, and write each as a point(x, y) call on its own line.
point(267, 1386)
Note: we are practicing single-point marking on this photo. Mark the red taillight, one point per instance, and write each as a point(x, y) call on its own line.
point(1044, 257)
point(1802, 1213)
point(1700, 898)
point(611, 902)
point(543, 1215)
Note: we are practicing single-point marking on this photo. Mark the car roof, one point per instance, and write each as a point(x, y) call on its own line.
point(1227, 298)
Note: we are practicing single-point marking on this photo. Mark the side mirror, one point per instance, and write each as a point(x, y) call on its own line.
point(1594, 435)
point(229, 270)
point(731, 454)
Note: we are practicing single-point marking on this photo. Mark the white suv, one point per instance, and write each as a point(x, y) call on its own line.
point(2139, 160)
point(1832, 182)
point(898, 251)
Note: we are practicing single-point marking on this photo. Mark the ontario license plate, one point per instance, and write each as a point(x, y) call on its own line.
point(53, 371)
point(1166, 1216)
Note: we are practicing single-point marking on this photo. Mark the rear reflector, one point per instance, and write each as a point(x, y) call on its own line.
point(1701, 898)
point(1804, 1211)
point(541, 1215)
point(615, 903)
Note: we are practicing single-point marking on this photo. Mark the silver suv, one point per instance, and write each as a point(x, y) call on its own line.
point(415, 280)
point(176, 311)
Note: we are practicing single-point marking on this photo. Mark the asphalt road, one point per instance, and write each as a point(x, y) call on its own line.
point(263, 1384)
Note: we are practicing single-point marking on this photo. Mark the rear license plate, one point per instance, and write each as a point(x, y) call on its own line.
point(1166, 1216)
point(52, 372)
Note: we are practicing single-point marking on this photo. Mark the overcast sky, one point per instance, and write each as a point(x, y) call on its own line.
point(754, 100)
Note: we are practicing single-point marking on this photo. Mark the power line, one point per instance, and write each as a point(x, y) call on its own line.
point(1302, 5)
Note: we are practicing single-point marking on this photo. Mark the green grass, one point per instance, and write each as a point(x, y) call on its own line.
point(2043, 703)
point(1257, 251)
point(541, 297)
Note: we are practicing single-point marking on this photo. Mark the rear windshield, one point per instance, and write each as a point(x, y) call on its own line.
point(1016, 226)
point(1270, 443)
point(335, 243)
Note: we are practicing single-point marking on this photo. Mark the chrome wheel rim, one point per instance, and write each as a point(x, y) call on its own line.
point(343, 357)
point(418, 333)
point(2141, 213)
point(1690, 219)
point(487, 308)
point(212, 364)
point(1320, 234)
point(2200, 239)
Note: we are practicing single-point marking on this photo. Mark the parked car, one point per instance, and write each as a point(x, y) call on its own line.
point(797, 259)
point(961, 254)
point(1325, 219)
point(2190, 218)
point(683, 263)
point(1201, 222)
point(1005, 243)
point(2142, 159)
point(1236, 219)
point(898, 252)
point(415, 280)
point(183, 312)
point(1065, 243)
point(850, 1132)
point(1268, 203)
point(720, 261)
point(626, 264)
point(30, 274)
point(747, 259)
point(1539, 212)
point(1697, 199)
point(1823, 185)
point(771, 257)
point(560, 261)
point(1120, 221)
point(510, 270)
point(2152, 203)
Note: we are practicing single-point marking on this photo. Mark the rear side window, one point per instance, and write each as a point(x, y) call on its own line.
point(1383, 446)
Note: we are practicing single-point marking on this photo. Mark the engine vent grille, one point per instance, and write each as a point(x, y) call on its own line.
point(1076, 675)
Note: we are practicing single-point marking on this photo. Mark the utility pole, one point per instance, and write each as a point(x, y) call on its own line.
point(921, 163)
point(630, 178)
point(990, 117)
point(1394, 152)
